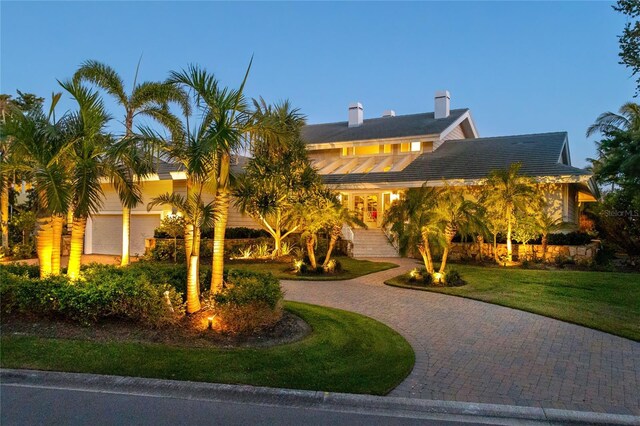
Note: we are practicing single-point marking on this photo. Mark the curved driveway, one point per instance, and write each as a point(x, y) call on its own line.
point(477, 352)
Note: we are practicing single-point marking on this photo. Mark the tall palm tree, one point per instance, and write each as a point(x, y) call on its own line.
point(455, 213)
point(39, 152)
point(413, 222)
point(627, 119)
point(225, 121)
point(509, 193)
point(89, 155)
point(147, 99)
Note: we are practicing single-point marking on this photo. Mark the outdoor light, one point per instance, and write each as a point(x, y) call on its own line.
point(437, 276)
point(413, 273)
point(211, 322)
point(298, 265)
point(394, 196)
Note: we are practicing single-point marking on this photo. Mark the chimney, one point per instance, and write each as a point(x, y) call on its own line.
point(389, 113)
point(442, 104)
point(356, 114)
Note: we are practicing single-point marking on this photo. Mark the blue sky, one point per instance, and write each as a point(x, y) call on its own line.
point(519, 67)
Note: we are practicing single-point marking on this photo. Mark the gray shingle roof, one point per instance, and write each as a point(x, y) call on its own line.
point(476, 158)
point(380, 128)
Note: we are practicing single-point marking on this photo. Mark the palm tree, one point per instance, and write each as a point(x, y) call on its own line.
point(509, 193)
point(89, 148)
point(337, 217)
point(455, 213)
point(546, 224)
point(148, 99)
point(414, 223)
point(225, 122)
point(627, 119)
point(39, 151)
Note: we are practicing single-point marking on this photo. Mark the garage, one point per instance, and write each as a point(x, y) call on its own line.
point(106, 233)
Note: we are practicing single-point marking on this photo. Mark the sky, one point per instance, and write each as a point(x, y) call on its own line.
point(521, 67)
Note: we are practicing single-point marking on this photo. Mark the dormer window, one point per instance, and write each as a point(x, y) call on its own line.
point(414, 146)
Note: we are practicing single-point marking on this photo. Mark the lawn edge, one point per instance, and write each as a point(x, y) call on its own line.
point(290, 305)
point(321, 278)
point(419, 288)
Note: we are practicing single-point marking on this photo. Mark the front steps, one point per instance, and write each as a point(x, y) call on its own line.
point(372, 243)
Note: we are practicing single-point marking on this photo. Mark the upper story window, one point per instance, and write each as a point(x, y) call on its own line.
point(414, 146)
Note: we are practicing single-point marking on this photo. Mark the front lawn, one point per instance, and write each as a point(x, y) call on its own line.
point(602, 300)
point(346, 352)
point(351, 268)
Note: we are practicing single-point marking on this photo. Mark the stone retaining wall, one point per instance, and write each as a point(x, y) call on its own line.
point(584, 253)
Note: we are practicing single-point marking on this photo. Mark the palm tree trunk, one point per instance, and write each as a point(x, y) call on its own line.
point(188, 242)
point(44, 246)
point(126, 236)
point(450, 232)
point(445, 253)
point(509, 248)
point(332, 244)
point(311, 252)
point(480, 240)
point(4, 216)
point(193, 275)
point(77, 244)
point(217, 267)
point(545, 242)
point(57, 222)
point(495, 248)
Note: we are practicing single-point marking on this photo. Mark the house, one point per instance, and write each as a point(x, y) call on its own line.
point(371, 161)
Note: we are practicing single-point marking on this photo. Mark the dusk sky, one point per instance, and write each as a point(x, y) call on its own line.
point(520, 67)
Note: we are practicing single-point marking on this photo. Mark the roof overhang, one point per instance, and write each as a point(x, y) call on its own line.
point(583, 180)
point(363, 142)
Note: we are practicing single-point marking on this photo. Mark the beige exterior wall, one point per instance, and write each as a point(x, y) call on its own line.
point(456, 133)
point(150, 189)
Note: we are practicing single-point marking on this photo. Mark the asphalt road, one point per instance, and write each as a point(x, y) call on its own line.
point(36, 405)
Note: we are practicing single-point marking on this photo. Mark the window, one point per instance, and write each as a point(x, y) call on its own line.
point(367, 150)
point(347, 151)
point(414, 146)
point(386, 148)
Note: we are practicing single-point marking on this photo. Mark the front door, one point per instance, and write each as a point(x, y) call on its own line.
point(367, 209)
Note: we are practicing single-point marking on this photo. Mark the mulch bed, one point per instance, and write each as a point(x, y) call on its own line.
point(290, 328)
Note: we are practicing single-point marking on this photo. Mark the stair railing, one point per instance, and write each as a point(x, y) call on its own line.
point(391, 237)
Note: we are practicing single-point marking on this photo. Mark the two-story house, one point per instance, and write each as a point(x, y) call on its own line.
point(370, 161)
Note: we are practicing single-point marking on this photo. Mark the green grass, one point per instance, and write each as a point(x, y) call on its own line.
point(352, 268)
point(346, 352)
point(601, 300)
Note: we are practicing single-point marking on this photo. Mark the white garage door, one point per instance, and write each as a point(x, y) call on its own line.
point(107, 233)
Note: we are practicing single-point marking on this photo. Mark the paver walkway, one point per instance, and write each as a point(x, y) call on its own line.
point(472, 351)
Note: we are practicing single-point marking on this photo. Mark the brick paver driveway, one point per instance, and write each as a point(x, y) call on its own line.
point(477, 352)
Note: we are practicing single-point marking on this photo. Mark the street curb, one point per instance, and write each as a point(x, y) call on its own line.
point(392, 406)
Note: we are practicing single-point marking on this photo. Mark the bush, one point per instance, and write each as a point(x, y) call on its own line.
point(21, 269)
point(242, 232)
point(23, 251)
point(250, 301)
point(103, 292)
point(164, 251)
point(452, 278)
point(570, 239)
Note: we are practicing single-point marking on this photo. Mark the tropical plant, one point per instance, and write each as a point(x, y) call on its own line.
point(202, 149)
point(337, 217)
point(526, 229)
point(508, 193)
point(173, 226)
point(455, 213)
point(545, 225)
point(38, 148)
point(412, 221)
point(279, 175)
point(134, 161)
point(89, 162)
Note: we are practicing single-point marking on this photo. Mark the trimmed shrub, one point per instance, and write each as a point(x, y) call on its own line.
point(22, 269)
point(249, 302)
point(452, 278)
point(242, 232)
point(164, 251)
point(103, 292)
point(570, 239)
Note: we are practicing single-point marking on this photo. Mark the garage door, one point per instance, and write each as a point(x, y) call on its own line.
point(107, 233)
